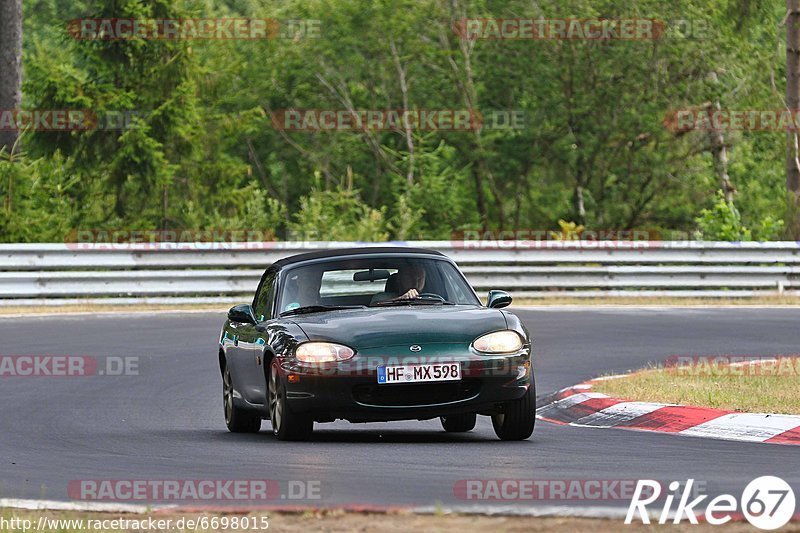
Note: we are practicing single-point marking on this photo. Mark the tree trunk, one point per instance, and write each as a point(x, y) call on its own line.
point(10, 64)
point(579, 206)
point(401, 74)
point(464, 80)
point(793, 103)
point(720, 153)
point(719, 150)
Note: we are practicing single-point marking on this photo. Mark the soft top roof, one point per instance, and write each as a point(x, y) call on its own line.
point(343, 252)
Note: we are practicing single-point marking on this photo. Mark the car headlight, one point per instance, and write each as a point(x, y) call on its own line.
point(498, 342)
point(323, 352)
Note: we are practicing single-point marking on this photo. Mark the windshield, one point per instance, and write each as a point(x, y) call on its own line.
point(374, 282)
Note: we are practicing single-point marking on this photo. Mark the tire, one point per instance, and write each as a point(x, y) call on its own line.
point(237, 419)
point(285, 424)
point(518, 418)
point(459, 423)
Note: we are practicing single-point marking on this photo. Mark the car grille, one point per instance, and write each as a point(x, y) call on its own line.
point(416, 394)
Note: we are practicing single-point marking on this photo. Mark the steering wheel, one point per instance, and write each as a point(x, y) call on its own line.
point(431, 295)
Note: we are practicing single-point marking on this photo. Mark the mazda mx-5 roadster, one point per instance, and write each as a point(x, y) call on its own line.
point(374, 335)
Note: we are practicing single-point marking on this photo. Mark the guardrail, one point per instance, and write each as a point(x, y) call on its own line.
point(223, 272)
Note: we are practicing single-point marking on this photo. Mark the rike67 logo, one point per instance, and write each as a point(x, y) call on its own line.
point(767, 502)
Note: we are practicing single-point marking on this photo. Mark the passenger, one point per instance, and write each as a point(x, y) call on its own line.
point(303, 291)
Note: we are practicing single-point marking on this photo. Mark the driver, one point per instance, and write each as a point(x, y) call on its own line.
point(410, 281)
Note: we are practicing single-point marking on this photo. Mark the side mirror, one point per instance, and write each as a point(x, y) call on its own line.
point(243, 314)
point(498, 299)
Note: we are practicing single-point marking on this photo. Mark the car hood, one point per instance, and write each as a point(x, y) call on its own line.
point(389, 326)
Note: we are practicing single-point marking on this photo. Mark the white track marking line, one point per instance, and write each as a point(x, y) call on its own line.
point(51, 505)
point(607, 378)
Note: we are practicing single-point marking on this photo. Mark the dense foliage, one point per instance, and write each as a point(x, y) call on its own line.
point(201, 150)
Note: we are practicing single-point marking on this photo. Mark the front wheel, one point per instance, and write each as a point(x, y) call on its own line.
point(237, 419)
point(285, 424)
point(518, 417)
point(459, 423)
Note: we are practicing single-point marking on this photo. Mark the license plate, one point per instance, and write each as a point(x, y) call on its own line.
point(419, 373)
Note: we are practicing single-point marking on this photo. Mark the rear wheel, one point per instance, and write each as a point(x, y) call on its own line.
point(285, 424)
point(518, 418)
point(237, 419)
point(459, 423)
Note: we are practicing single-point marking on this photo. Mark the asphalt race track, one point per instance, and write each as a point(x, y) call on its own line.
point(167, 422)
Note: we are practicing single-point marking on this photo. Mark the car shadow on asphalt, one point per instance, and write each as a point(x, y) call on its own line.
point(393, 436)
point(397, 436)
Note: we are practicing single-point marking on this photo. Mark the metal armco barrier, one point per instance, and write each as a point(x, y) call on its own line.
point(223, 272)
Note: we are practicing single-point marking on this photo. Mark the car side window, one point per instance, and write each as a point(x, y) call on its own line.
point(266, 295)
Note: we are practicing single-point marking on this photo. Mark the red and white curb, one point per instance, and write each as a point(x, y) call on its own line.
point(580, 406)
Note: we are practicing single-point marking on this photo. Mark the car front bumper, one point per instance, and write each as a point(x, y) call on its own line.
point(350, 390)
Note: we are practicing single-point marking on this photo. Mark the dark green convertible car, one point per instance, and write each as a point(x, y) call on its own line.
point(374, 334)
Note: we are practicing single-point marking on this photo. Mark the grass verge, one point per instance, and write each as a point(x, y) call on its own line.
point(754, 388)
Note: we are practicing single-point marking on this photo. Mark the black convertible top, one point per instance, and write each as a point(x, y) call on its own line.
point(342, 252)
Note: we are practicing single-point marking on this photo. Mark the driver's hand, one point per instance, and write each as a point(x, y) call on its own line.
point(410, 295)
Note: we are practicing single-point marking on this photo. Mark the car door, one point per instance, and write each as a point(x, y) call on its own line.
point(254, 377)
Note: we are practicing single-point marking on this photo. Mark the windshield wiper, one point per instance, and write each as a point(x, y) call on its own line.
point(319, 309)
point(412, 301)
